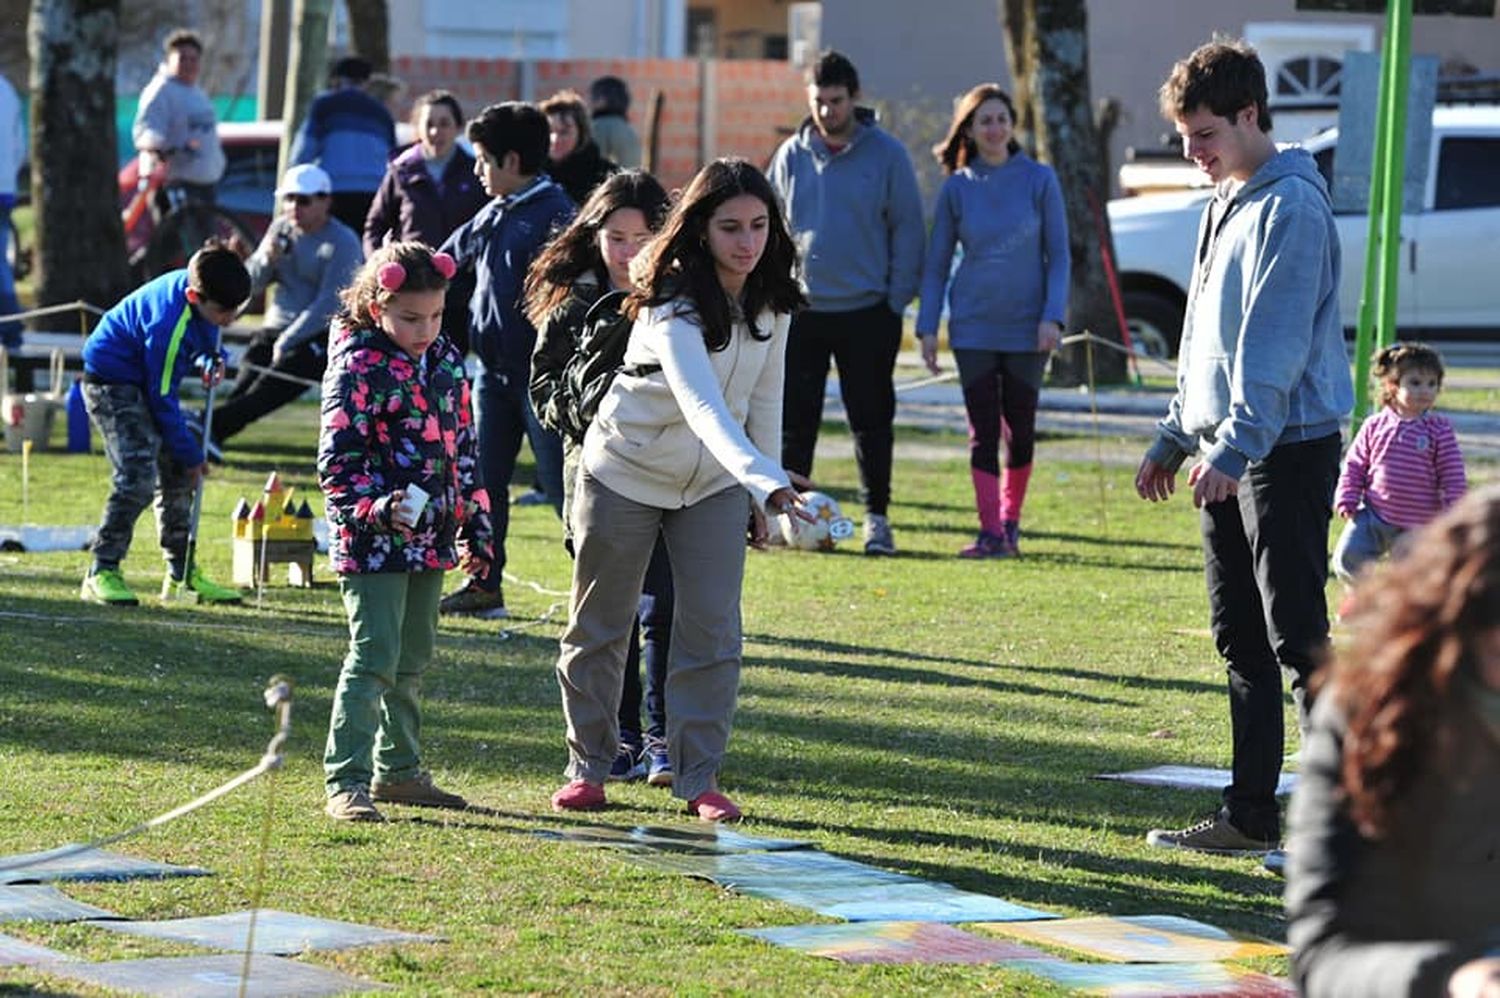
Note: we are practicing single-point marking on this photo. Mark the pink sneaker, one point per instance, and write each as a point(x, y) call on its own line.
point(713, 806)
point(987, 545)
point(580, 795)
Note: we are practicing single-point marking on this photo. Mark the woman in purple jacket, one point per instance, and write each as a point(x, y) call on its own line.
point(428, 191)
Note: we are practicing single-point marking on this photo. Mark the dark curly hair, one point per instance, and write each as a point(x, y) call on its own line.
point(677, 266)
point(1398, 359)
point(1416, 623)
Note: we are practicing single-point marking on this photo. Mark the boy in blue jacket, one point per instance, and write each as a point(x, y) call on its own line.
point(510, 150)
point(133, 362)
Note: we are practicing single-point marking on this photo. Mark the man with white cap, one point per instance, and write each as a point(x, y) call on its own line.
point(310, 256)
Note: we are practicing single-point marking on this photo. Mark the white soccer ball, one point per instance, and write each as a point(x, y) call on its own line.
point(829, 525)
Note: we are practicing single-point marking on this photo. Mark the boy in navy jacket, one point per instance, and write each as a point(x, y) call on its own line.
point(510, 147)
point(133, 362)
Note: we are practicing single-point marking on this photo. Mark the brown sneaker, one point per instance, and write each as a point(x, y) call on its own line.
point(419, 791)
point(472, 601)
point(1214, 834)
point(352, 804)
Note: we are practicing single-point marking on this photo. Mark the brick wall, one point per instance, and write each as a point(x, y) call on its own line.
point(751, 105)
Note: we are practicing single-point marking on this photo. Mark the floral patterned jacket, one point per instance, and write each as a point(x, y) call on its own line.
point(390, 422)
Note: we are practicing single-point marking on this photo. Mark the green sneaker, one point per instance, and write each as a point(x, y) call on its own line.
point(199, 588)
point(107, 586)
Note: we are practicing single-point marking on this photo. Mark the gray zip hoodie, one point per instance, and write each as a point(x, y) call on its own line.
point(1262, 360)
point(856, 216)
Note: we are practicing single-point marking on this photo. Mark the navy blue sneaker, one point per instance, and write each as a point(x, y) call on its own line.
point(629, 764)
point(658, 766)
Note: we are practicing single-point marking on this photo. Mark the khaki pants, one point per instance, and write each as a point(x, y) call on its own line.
point(706, 546)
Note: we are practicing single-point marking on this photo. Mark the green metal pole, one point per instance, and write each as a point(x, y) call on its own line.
point(1390, 270)
point(1370, 285)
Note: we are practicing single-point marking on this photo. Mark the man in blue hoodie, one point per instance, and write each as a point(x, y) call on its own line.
point(852, 204)
point(133, 362)
point(498, 244)
point(350, 135)
point(1262, 386)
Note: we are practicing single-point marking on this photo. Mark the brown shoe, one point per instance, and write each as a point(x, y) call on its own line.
point(419, 791)
point(352, 804)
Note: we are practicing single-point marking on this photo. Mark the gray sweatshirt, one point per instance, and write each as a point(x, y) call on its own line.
point(180, 117)
point(1262, 360)
point(308, 279)
point(856, 216)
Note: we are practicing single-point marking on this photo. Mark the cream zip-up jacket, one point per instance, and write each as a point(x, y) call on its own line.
point(703, 422)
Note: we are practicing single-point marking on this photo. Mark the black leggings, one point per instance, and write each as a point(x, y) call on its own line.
point(1001, 390)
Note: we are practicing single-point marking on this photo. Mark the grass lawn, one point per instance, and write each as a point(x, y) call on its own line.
point(919, 713)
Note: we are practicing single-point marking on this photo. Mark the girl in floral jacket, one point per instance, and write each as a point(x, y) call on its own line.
point(397, 464)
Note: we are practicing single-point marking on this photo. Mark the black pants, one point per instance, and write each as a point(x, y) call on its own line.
point(351, 207)
point(259, 393)
point(863, 344)
point(1266, 560)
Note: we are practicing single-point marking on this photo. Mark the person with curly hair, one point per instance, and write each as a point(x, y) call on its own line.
point(1393, 858)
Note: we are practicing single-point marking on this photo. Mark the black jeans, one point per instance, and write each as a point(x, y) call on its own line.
point(1266, 561)
point(259, 393)
point(863, 343)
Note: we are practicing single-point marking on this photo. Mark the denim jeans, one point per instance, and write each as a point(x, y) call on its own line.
point(502, 410)
point(1266, 564)
point(651, 641)
point(10, 332)
point(1365, 539)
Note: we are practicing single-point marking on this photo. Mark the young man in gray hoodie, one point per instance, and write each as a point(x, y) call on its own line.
point(853, 207)
point(1262, 386)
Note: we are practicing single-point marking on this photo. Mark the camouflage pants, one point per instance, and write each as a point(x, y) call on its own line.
point(141, 469)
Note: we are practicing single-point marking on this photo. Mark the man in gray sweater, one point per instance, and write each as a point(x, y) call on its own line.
point(311, 256)
point(176, 122)
point(853, 207)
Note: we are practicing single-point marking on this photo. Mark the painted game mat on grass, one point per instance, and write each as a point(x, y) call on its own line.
point(278, 932)
point(893, 942)
point(20, 953)
point(91, 864)
point(842, 888)
point(671, 839)
point(1190, 778)
point(1157, 980)
point(208, 976)
point(1144, 939)
point(42, 903)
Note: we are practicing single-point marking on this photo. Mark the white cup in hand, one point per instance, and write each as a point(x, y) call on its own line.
point(413, 501)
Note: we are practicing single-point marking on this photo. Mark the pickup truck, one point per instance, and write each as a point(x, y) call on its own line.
point(1449, 285)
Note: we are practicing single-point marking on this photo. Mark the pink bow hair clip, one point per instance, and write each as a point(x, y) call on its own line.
point(445, 265)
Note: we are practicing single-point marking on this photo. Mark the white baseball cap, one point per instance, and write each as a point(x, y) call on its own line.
point(305, 179)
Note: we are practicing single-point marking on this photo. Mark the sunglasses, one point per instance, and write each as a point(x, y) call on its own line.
point(302, 198)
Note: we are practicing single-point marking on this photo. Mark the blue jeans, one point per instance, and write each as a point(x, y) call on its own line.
point(10, 332)
point(1365, 538)
point(504, 415)
point(651, 640)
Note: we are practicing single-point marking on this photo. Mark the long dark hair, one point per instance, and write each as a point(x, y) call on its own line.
point(1416, 623)
point(957, 149)
point(575, 251)
point(677, 265)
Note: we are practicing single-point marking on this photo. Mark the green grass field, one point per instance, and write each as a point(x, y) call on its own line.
point(920, 713)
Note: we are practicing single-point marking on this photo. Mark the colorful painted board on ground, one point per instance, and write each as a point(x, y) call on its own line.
point(279, 932)
point(1190, 778)
point(1145, 939)
point(672, 839)
point(41, 903)
point(91, 864)
point(213, 976)
point(20, 953)
point(893, 942)
point(1157, 980)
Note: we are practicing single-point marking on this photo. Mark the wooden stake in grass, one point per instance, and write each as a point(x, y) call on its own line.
point(25, 481)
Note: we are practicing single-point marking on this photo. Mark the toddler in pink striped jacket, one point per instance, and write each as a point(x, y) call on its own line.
point(1404, 466)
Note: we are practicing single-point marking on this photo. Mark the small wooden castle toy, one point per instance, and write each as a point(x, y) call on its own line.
point(274, 530)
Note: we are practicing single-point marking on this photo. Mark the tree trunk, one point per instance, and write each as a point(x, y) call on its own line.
point(308, 65)
point(370, 32)
point(1047, 41)
point(79, 239)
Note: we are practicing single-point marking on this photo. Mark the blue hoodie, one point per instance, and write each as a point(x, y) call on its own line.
point(153, 339)
point(350, 135)
point(499, 244)
point(856, 216)
point(1262, 360)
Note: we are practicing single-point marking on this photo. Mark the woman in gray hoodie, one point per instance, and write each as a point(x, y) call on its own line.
point(690, 452)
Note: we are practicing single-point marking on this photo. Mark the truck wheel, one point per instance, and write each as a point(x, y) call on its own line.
point(1155, 323)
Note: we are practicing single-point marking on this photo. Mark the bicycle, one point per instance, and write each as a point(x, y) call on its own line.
point(161, 241)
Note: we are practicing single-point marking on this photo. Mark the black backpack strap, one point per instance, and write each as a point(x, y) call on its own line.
point(610, 301)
